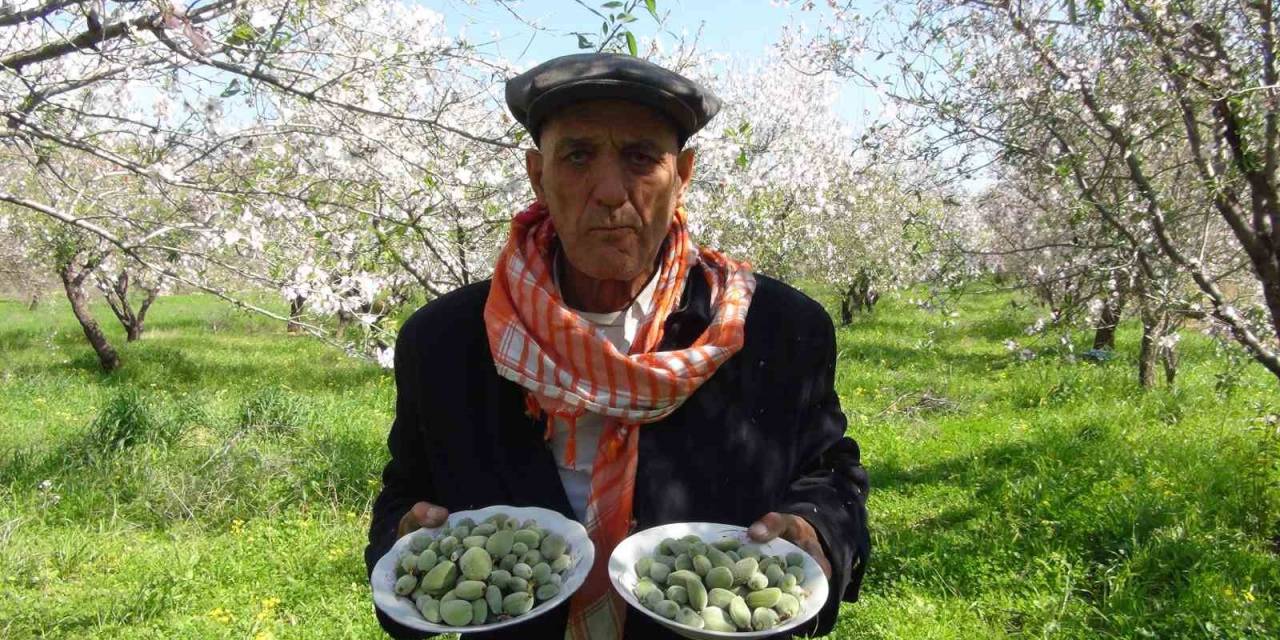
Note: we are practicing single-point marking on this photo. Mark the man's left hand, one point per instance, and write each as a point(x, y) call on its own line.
point(794, 529)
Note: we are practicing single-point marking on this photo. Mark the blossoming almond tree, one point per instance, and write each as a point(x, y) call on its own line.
point(796, 192)
point(1159, 117)
point(186, 105)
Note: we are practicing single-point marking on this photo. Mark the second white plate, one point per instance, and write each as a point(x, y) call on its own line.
point(622, 573)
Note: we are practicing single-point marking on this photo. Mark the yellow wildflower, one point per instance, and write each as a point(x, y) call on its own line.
point(220, 615)
point(268, 608)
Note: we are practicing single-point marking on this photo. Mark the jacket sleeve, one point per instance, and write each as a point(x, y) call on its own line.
point(830, 489)
point(406, 479)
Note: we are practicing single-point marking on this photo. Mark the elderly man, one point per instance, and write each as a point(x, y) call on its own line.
point(614, 371)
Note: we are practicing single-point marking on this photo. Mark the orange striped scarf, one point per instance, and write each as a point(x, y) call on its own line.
point(568, 368)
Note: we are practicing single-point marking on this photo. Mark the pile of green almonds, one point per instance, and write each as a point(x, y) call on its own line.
point(720, 586)
point(472, 573)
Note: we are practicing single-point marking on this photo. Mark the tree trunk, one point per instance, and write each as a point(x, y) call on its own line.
point(1170, 359)
point(74, 286)
point(117, 294)
point(295, 315)
point(134, 330)
point(858, 296)
point(1271, 296)
point(846, 307)
point(1156, 350)
point(1104, 337)
point(1147, 356)
point(870, 299)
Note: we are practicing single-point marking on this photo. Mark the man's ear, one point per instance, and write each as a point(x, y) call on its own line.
point(533, 167)
point(684, 168)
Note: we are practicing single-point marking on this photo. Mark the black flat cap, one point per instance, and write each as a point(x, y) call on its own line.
point(542, 91)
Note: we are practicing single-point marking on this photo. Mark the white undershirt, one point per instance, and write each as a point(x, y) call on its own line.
point(620, 328)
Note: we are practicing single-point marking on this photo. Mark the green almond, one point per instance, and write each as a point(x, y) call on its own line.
point(763, 598)
point(457, 613)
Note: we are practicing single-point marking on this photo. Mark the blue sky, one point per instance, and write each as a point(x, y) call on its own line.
point(740, 27)
point(743, 29)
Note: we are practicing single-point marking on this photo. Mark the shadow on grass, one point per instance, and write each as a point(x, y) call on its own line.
point(1057, 509)
point(149, 599)
point(16, 339)
point(344, 466)
point(248, 470)
point(877, 321)
point(249, 376)
point(23, 338)
point(951, 470)
point(998, 327)
point(26, 467)
point(169, 366)
point(897, 357)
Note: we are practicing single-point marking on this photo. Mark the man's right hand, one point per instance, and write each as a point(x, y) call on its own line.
point(423, 514)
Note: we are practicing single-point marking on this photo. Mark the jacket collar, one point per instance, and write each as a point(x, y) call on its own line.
point(692, 317)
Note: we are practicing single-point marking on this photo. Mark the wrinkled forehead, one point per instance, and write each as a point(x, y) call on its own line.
point(613, 123)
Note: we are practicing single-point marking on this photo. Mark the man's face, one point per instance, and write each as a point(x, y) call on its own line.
point(611, 173)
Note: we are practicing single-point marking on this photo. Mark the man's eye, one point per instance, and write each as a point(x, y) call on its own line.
point(642, 159)
point(577, 157)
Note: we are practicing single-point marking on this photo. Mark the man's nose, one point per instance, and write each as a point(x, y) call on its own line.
point(611, 185)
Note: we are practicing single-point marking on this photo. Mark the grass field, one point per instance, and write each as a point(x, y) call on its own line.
point(218, 485)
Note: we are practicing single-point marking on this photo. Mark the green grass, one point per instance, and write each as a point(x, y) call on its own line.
point(240, 508)
point(218, 485)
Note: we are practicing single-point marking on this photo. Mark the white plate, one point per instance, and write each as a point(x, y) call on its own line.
point(622, 573)
point(402, 610)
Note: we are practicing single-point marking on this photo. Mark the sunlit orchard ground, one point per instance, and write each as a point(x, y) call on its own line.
point(1046, 498)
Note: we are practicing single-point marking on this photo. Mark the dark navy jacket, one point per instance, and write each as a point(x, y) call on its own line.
point(765, 433)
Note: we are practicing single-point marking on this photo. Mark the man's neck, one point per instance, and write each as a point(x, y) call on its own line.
point(585, 293)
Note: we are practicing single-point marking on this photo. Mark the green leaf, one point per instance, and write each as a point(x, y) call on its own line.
point(280, 43)
point(232, 89)
point(243, 33)
point(742, 159)
point(584, 43)
point(611, 5)
point(652, 6)
point(1063, 168)
point(631, 43)
point(627, 18)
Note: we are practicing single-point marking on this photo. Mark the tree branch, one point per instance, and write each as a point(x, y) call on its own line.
point(111, 31)
point(313, 96)
point(35, 13)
